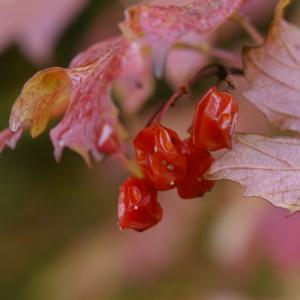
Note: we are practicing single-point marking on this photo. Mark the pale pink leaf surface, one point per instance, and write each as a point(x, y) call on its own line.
point(35, 25)
point(268, 168)
point(8, 138)
point(161, 26)
point(273, 73)
point(90, 124)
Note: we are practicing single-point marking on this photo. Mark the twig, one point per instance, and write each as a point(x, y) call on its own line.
point(207, 49)
point(245, 23)
point(217, 70)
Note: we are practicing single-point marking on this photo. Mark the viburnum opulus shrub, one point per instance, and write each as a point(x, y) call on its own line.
point(268, 167)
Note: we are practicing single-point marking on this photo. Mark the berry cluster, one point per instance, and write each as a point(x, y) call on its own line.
point(168, 162)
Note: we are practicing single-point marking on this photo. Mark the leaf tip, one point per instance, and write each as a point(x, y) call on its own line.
point(43, 96)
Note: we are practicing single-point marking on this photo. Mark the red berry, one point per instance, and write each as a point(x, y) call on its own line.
point(138, 207)
point(215, 121)
point(159, 154)
point(198, 162)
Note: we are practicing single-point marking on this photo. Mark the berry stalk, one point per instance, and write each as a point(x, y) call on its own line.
point(217, 70)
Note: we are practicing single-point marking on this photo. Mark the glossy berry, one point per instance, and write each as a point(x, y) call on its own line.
point(138, 207)
point(198, 162)
point(159, 154)
point(215, 121)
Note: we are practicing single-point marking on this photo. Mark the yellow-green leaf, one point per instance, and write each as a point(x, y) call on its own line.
point(43, 96)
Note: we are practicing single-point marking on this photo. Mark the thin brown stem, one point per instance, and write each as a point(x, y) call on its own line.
point(162, 110)
point(220, 71)
point(246, 24)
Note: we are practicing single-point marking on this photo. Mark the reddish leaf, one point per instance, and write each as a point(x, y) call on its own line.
point(268, 168)
point(162, 26)
point(8, 138)
point(273, 72)
point(91, 124)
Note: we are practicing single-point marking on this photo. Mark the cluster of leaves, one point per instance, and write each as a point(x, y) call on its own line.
point(82, 92)
point(267, 167)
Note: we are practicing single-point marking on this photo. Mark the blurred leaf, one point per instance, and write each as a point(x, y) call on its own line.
point(162, 26)
point(37, 24)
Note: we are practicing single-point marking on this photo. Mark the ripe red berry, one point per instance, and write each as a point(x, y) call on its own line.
point(215, 121)
point(159, 154)
point(198, 162)
point(138, 207)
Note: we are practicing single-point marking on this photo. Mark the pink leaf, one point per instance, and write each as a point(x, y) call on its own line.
point(36, 24)
point(161, 26)
point(83, 91)
point(8, 138)
point(90, 124)
point(273, 73)
point(268, 168)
